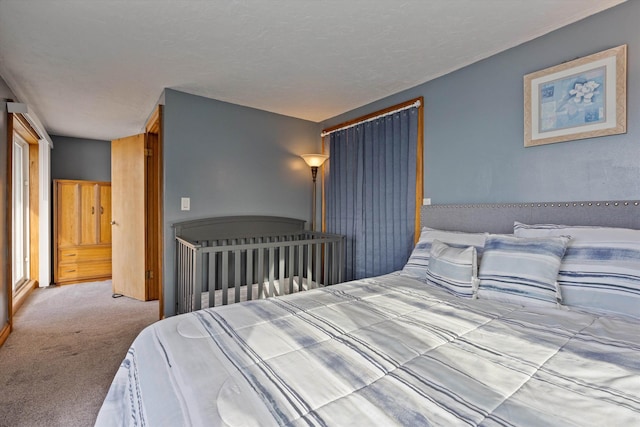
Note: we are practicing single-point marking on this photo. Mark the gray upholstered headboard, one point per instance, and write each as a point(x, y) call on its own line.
point(499, 217)
point(235, 227)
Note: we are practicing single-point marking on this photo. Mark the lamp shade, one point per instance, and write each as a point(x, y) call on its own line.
point(314, 160)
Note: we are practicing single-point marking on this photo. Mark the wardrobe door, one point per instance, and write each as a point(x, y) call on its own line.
point(67, 210)
point(88, 223)
point(104, 214)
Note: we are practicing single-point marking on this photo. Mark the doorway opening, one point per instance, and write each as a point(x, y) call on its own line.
point(136, 198)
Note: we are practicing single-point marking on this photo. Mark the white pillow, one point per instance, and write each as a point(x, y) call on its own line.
point(601, 268)
point(522, 270)
point(418, 261)
point(453, 269)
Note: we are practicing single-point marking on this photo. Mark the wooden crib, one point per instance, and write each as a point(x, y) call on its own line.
point(232, 259)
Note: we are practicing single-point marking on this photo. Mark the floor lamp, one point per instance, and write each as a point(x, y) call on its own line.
point(315, 161)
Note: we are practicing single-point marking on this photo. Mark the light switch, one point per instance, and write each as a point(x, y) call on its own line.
point(185, 203)
point(426, 202)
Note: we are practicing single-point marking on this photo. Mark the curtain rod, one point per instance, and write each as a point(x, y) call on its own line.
point(388, 113)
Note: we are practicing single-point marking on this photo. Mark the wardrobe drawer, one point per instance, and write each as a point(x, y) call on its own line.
point(84, 270)
point(80, 254)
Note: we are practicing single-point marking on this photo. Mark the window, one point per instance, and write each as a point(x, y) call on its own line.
point(20, 204)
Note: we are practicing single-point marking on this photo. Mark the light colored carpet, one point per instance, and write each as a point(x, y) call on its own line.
point(66, 346)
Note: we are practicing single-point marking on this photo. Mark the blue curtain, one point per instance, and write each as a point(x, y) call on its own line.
point(371, 192)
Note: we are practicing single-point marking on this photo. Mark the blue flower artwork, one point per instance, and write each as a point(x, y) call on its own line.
point(573, 101)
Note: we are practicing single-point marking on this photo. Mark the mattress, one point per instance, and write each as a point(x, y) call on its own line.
point(389, 350)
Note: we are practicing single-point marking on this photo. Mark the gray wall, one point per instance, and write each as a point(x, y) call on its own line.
point(5, 286)
point(474, 125)
point(77, 158)
point(231, 160)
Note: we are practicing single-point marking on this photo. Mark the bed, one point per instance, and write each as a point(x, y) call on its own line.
point(404, 349)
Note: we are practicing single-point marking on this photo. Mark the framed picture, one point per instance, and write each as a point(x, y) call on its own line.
point(583, 98)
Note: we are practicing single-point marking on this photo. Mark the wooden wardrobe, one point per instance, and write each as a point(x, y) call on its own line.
point(81, 231)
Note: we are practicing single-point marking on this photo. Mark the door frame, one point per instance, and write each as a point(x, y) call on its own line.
point(154, 208)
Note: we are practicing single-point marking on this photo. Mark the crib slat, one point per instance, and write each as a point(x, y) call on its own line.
point(309, 247)
point(212, 279)
point(281, 266)
point(249, 270)
point(186, 297)
point(224, 266)
point(290, 268)
point(341, 261)
point(197, 288)
point(189, 280)
point(300, 249)
point(271, 263)
point(179, 281)
point(334, 263)
point(237, 261)
point(260, 277)
point(318, 264)
point(325, 265)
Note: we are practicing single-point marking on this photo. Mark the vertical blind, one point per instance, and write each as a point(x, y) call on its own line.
point(370, 191)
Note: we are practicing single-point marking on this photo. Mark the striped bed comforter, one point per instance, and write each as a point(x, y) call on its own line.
point(382, 351)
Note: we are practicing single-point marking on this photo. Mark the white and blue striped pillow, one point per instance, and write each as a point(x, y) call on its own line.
point(601, 268)
point(418, 261)
point(453, 269)
point(522, 270)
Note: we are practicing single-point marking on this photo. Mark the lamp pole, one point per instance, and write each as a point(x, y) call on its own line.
point(314, 174)
point(314, 161)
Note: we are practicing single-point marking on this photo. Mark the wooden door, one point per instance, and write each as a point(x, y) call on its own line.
point(128, 184)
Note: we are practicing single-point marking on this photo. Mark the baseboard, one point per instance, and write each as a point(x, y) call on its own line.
point(22, 295)
point(4, 334)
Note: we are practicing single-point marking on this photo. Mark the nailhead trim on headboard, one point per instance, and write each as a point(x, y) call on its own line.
point(499, 217)
point(524, 205)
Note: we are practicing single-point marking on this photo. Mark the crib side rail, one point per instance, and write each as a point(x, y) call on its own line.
point(188, 260)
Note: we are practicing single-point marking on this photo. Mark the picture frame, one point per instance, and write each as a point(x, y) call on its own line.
point(583, 98)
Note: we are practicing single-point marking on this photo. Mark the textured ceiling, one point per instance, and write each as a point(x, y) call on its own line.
point(96, 68)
